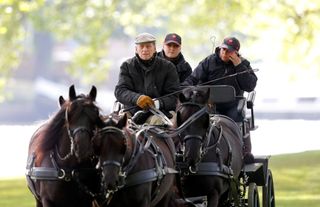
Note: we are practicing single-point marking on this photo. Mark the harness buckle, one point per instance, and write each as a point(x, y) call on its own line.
point(61, 174)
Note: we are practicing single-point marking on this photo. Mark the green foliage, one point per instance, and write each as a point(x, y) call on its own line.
point(291, 26)
point(91, 65)
point(12, 35)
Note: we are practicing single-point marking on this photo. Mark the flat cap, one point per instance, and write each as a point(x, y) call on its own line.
point(144, 38)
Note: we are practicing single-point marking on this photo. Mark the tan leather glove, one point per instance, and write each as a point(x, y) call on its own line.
point(145, 102)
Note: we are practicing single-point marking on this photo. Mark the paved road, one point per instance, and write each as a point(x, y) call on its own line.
point(271, 137)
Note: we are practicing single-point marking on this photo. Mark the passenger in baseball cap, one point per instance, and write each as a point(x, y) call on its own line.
point(231, 43)
point(172, 38)
point(227, 67)
point(171, 51)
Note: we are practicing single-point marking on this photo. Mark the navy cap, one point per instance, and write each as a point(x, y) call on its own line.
point(172, 38)
point(231, 43)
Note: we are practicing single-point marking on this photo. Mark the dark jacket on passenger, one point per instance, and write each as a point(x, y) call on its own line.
point(155, 78)
point(213, 68)
point(182, 66)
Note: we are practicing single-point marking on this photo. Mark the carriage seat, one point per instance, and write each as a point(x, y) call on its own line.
point(250, 117)
point(225, 94)
point(221, 94)
point(247, 124)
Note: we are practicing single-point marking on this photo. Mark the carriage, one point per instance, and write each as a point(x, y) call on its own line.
point(258, 176)
point(242, 182)
point(243, 191)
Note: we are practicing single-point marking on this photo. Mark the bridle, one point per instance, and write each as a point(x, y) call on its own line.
point(203, 110)
point(71, 134)
point(122, 172)
point(130, 156)
point(204, 147)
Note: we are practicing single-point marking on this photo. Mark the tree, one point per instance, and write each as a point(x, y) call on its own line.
point(291, 26)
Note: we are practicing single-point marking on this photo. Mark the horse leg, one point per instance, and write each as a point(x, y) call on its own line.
point(164, 202)
point(38, 203)
point(46, 203)
point(174, 200)
point(213, 199)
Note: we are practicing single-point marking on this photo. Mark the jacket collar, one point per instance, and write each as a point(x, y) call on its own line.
point(146, 63)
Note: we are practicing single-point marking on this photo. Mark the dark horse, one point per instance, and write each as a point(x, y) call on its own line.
point(137, 164)
point(212, 147)
point(60, 168)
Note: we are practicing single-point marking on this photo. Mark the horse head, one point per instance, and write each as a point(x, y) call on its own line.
point(61, 151)
point(81, 120)
point(111, 145)
point(193, 114)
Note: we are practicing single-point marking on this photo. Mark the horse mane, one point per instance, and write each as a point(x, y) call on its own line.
point(51, 133)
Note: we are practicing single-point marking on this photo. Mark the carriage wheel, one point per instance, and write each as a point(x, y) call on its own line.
point(253, 196)
point(268, 192)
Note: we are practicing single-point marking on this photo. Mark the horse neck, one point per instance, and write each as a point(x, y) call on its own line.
point(131, 145)
point(227, 143)
point(212, 142)
point(46, 138)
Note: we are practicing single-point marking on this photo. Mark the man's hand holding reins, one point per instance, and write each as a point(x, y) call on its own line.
point(145, 102)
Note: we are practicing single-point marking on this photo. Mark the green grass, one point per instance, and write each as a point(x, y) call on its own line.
point(15, 193)
point(296, 181)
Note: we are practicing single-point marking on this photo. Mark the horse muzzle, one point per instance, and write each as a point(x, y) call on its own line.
point(193, 151)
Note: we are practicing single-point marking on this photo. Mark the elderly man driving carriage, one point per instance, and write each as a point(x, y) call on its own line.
point(143, 81)
point(221, 68)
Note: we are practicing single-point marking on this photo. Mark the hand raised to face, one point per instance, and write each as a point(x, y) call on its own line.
point(234, 57)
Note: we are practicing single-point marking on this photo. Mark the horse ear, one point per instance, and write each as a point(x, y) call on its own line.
point(182, 98)
point(61, 101)
point(178, 119)
point(122, 121)
point(185, 94)
point(202, 95)
point(100, 121)
point(72, 93)
point(93, 93)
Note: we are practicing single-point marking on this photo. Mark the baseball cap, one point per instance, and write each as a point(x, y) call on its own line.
point(172, 38)
point(231, 43)
point(144, 37)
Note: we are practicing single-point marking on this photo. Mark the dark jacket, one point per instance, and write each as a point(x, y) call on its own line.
point(182, 66)
point(156, 79)
point(212, 68)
